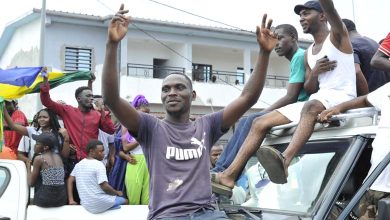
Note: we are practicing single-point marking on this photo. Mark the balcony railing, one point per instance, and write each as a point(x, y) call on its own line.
point(276, 81)
point(215, 76)
point(218, 76)
point(151, 71)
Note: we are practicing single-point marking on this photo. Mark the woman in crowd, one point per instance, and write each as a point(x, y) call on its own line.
point(48, 172)
point(137, 174)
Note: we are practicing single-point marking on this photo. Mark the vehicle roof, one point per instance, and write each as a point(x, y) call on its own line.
point(361, 121)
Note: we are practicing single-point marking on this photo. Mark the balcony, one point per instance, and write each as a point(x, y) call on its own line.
point(151, 71)
point(201, 75)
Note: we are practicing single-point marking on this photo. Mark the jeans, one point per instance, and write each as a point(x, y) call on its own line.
point(235, 142)
point(201, 214)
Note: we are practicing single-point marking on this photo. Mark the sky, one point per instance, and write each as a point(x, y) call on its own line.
point(369, 16)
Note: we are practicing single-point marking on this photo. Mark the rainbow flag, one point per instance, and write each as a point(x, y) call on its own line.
point(17, 82)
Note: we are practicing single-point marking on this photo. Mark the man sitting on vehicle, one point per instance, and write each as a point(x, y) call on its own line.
point(95, 193)
point(380, 146)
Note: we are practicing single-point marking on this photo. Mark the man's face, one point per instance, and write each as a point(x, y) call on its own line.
point(85, 99)
point(99, 153)
point(176, 94)
point(9, 106)
point(215, 152)
point(309, 20)
point(285, 42)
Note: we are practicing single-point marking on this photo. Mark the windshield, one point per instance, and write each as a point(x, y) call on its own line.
point(309, 173)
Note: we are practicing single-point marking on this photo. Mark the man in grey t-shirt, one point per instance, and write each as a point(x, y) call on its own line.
point(177, 150)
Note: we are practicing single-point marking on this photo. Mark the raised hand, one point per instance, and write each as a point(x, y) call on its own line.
point(118, 26)
point(266, 38)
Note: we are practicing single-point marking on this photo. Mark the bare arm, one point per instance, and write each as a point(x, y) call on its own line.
point(358, 102)
point(251, 92)
point(125, 113)
point(69, 186)
point(338, 32)
point(293, 90)
point(33, 176)
point(23, 156)
point(311, 78)
point(14, 126)
point(381, 61)
point(65, 145)
point(109, 190)
point(361, 82)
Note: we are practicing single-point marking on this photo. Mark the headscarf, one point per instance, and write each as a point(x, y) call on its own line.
point(139, 101)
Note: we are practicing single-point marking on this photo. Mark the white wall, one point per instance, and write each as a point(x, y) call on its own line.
point(25, 39)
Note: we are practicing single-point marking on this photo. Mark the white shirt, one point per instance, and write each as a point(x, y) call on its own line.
point(106, 139)
point(89, 173)
point(381, 145)
point(27, 144)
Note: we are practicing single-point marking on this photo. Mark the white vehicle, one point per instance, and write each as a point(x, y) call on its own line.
point(324, 177)
point(14, 201)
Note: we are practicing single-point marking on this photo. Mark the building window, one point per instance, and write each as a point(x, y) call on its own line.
point(201, 72)
point(77, 58)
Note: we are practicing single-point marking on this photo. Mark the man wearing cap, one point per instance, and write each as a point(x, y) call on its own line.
point(330, 79)
point(12, 138)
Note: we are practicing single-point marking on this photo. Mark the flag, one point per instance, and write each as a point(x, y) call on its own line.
point(15, 83)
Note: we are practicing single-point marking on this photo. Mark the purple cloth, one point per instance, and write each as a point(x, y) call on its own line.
point(139, 100)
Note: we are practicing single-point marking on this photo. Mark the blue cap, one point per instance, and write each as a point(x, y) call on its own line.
point(315, 5)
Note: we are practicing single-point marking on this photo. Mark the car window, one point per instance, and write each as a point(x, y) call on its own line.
point(4, 179)
point(309, 173)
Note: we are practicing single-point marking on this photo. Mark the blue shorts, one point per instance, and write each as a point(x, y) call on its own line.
point(118, 202)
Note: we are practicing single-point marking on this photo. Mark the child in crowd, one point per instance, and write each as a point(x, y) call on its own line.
point(48, 173)
point(95, 193)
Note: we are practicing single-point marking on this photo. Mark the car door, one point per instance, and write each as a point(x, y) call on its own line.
point(13, 190)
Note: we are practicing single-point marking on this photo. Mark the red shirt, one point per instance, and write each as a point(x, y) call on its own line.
point(12, 138)
point(81, 126)
point(385, 46)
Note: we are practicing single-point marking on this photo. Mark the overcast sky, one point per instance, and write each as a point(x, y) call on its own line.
point(370, 15)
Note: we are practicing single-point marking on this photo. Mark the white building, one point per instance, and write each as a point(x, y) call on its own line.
point(151, 50)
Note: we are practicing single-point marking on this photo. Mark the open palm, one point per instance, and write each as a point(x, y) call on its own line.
point(118, 25)
point(265, 37)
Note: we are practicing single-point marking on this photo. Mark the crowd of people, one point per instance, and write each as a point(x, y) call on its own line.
point(175, 163)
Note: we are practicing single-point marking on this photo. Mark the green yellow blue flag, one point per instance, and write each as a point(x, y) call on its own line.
point(17, 82)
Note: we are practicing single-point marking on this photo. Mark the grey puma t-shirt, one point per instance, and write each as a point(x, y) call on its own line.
point(178, 158)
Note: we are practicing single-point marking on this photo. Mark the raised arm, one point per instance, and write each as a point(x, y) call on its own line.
point(338, 32)
point(252, 90)
point(14, 126)
point(126, 114)
point(47, 101)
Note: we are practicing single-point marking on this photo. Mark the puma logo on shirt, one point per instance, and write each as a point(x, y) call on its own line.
point(187, 154)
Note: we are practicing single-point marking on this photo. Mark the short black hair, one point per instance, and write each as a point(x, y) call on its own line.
point(92, 144)
point(288, 29)
point(349, 24)
point(80, 90)
point(182, 74)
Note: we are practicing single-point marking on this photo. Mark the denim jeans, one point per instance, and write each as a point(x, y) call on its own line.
point(235, 142)
point(202, 214)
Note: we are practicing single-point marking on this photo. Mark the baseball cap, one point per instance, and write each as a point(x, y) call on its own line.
point(315, 5)
point(46, 138)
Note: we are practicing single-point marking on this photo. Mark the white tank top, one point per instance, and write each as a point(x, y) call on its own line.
point(343, 77)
